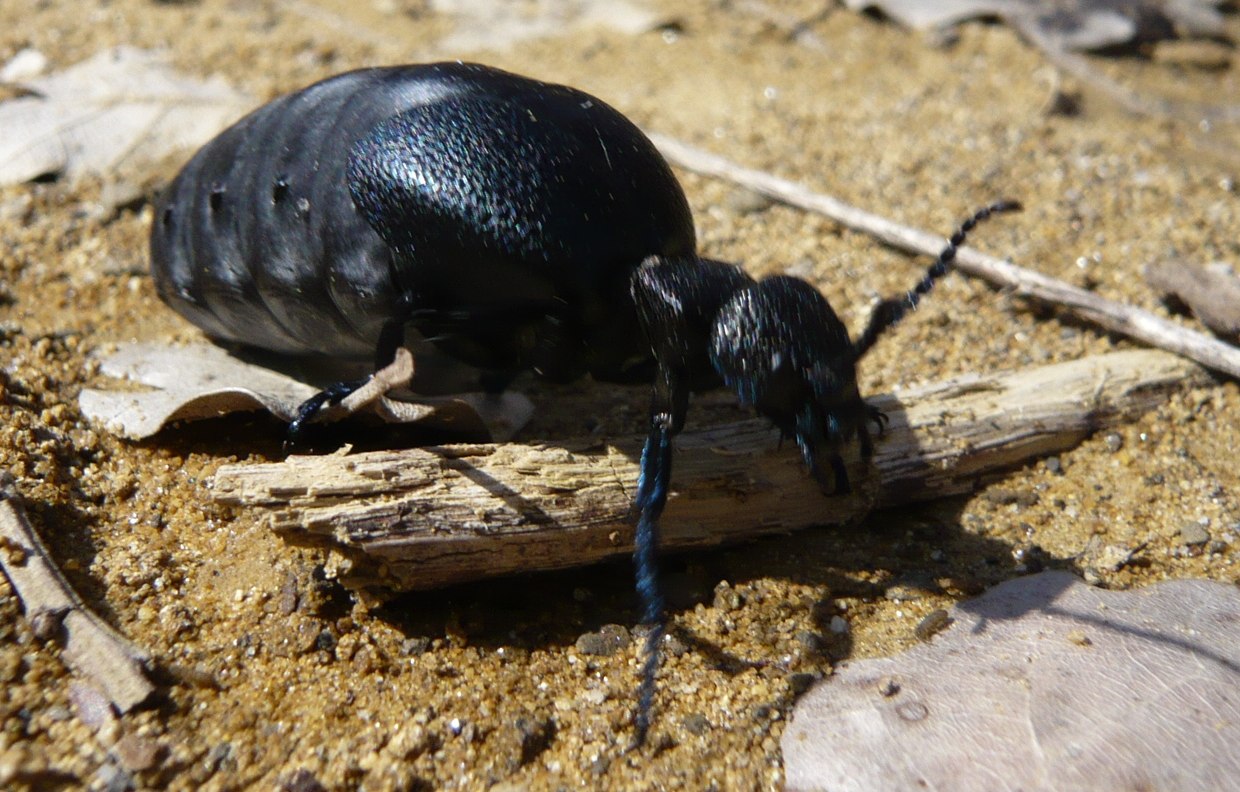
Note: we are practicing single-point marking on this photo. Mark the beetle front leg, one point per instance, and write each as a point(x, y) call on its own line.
point(669, 405)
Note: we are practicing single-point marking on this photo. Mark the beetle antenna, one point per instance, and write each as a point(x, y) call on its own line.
point(890, 311)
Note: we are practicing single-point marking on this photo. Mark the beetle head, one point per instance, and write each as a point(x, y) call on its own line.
point(781, 348)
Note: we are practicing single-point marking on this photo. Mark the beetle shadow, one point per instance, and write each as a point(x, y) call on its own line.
point(911, 552)
point(916, 551)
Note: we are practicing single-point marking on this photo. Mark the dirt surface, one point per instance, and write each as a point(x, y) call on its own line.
point(270, 674)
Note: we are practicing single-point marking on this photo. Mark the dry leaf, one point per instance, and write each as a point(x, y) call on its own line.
point(120, 111)
point(1043, 683)
point(501, 24)
point(204, 381)
point(1212, 293)
point(1065, 24)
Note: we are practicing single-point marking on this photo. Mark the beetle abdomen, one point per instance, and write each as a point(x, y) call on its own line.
point(479, 191)
point(257, 240)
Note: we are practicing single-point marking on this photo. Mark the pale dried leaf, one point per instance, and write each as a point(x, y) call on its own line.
point(1043, 683)
point(204, 381)
point(1065, 24)
point(1212, 293)
point(501, 24)
point(120, 111)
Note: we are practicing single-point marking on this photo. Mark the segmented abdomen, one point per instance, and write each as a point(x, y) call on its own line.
point(257, 240)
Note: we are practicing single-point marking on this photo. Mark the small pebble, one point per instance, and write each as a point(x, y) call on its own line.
point(135, 752)
point(325, 641)
point(838, 625)
point(58, 713)
point(673, 646)
point(219, 754)
point(1114, 441)
point(287, 599)
point(1114, 557)
point(727, 598)
point(46, 622)
point(598, 766)
point(27, 63)
point(111, 778)
point(1054, 466)
point(1194, 533)
point(412, 647)
point(301, 781)
point(903, 593)
point(1007, 497)
point(934, 622)
point(696, 723)
point(92, 707)
point(812, 641)
point(610, 638)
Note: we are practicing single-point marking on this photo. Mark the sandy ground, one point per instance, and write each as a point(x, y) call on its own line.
point(270, 674)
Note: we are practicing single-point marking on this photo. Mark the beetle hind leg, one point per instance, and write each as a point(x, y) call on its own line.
point(393, 369)
point(309, 409)
point(345, 398)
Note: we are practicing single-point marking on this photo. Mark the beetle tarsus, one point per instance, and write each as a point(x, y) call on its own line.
point(308, 410)
point(346, 398)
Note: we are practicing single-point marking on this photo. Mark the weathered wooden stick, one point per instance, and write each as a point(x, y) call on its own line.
point(1116, 317)
point(92, 647)
point(420, 518)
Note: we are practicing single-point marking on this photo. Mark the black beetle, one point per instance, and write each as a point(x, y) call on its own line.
point(519, 225)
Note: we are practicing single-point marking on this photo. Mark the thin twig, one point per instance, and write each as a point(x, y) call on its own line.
point(92, 647)
point(1132, 101)
point(1116, 317)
